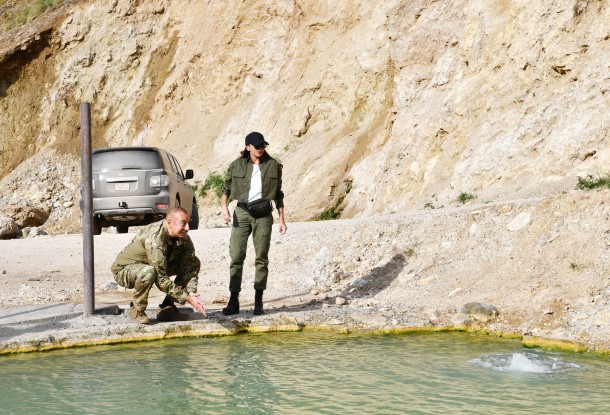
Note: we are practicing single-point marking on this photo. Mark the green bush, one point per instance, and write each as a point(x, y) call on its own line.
point(334, 212)
point(42, 5)
point(429, 205)
point(214, 181)
point(589, 182)
point(465, 197)
point(31, 10)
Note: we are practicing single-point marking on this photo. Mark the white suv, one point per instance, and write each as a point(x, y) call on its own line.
point(135, 186)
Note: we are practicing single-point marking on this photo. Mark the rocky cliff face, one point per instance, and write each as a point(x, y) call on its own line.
point(395, 105)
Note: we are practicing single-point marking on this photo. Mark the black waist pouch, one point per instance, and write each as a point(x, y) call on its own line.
point(260, 208)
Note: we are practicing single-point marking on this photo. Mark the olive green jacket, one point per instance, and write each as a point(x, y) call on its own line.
point(237, 180)
point(151, 246)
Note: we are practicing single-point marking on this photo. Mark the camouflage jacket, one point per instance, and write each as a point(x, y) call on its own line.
point(151, 246)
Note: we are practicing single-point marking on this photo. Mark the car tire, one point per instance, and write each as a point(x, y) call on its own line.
point(122, 228)
point(97, 226)
point(194, 223)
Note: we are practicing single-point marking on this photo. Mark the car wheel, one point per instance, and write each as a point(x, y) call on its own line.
point(122, 228)
point(194, 224)
point(97, 226)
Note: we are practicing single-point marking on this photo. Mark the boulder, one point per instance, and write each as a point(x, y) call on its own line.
point(8, 227)
point(25, 216)
point(29, 232)
point(480, 312)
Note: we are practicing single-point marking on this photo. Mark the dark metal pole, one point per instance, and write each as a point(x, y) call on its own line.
point(87, 213)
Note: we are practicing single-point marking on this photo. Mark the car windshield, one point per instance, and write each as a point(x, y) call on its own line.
point(126, 160)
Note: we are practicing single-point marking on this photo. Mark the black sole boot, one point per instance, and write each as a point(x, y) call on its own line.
point(233, 306)
point(167, 301)
point(258, 303)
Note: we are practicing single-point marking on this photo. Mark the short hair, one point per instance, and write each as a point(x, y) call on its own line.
point(173, 211)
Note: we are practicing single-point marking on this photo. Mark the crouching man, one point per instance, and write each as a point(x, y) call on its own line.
point(158, 251)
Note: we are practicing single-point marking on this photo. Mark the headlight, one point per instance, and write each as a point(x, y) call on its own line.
point(159, 181)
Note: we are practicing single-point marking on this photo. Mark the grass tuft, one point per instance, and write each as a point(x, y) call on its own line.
point(24, 11)
point(334, 212)
point(589, 182)
point(465, 197)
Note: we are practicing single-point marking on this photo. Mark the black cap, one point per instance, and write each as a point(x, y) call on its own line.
point(256, 139)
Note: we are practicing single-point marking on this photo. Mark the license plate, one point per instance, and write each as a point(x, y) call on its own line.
point(121, 186)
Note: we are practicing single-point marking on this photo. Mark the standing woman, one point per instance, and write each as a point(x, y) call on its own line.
point(254, 180)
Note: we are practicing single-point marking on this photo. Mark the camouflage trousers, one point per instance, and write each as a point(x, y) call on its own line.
point(142, 277)
point(244, 225)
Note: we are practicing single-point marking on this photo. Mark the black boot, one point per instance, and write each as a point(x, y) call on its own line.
point(167, 301)
point(258, 303)
point(169, 312)
point(233, 306)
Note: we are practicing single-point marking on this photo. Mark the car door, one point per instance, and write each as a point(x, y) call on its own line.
point(182, 186)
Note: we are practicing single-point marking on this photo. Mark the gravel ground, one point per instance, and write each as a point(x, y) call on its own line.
point(537, 268)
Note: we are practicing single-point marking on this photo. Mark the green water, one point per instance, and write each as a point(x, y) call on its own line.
point(307, 373)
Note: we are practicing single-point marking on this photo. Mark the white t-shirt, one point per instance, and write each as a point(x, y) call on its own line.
point(256, 184)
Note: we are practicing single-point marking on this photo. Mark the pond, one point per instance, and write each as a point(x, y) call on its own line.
point(307, 373)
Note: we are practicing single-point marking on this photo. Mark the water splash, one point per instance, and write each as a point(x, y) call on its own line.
point(525, 362)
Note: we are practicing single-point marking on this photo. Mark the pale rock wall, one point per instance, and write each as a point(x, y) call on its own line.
point(406, 103)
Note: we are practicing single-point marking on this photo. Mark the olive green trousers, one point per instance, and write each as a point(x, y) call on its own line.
point(244, 225)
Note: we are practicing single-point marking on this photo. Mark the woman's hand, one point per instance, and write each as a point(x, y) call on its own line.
point(283, 228)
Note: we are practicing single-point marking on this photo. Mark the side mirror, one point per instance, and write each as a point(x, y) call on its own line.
point(189, 174)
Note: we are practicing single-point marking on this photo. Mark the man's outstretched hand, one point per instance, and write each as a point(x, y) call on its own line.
point(193, 299)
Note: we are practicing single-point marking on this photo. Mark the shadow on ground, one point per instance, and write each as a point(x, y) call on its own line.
point(379, 279)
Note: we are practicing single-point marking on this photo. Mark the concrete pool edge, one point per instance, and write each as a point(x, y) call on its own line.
point(93, 335)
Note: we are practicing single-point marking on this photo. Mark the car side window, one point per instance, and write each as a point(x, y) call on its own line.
point(178, 168)
point(169, 162)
